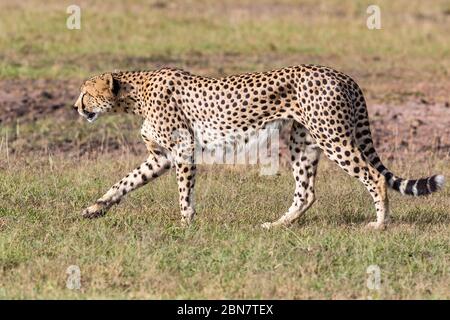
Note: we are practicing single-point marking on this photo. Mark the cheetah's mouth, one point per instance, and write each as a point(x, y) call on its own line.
point(91, 116)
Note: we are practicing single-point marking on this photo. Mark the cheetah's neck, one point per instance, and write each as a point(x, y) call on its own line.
point(132, 88)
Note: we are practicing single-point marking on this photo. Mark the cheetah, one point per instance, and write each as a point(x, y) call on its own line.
point(326, 107)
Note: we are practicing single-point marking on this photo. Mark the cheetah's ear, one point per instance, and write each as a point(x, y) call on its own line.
point(111, 83)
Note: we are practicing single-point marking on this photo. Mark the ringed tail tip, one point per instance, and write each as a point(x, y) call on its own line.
point(440, 181)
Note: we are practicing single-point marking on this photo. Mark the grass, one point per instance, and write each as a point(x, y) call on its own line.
point(36, 43)
point(71, 134)
point(139, 249)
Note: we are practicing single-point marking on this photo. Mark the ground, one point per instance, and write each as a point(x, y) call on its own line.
point(53, 164)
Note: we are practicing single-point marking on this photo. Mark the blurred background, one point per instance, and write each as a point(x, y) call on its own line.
point(53, 163)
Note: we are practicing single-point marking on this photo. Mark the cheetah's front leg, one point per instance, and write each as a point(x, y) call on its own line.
point(186, 180)
point(153, 167)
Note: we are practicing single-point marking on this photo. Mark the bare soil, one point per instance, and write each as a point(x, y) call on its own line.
point(29, 100)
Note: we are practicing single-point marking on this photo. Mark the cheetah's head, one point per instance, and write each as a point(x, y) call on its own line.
point(98, 94)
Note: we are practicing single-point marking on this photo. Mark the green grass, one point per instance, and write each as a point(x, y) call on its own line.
point(238, 36)
point(69, 133)
point(139, 250)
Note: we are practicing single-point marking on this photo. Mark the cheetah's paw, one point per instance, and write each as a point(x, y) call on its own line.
point(95, 211)
point(187, 217)
point(266, 225)
point(376, 225)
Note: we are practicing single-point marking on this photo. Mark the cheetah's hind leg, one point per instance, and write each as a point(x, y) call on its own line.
point(305, 156)
point(347, 156)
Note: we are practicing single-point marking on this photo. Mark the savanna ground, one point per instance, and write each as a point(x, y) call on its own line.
point(53, 164)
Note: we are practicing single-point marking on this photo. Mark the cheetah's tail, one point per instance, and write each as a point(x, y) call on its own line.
point(419, 187)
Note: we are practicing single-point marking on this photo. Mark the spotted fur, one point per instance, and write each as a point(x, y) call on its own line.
point(327, 109)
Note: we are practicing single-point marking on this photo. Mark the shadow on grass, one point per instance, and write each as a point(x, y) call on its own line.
point(413, 217)
point(423, 217)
